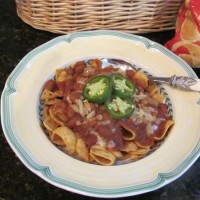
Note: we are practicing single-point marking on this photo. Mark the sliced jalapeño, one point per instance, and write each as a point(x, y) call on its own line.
point(119, 108)
point(122, 86)
point(98, 89)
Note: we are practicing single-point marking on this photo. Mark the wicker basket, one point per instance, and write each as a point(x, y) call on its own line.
point(133, 16)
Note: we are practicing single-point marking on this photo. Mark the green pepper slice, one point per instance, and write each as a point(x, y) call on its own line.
point(119, 108)
point(122, 86)
point(98, 89)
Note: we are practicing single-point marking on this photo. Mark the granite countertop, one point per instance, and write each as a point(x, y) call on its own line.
point(18, 182)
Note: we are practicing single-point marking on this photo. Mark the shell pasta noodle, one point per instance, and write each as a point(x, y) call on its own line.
point(104, 115)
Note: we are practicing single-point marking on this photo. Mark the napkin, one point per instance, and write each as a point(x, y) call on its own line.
point(186, 42)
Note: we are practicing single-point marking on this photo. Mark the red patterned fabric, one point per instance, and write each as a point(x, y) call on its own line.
point(186, 42)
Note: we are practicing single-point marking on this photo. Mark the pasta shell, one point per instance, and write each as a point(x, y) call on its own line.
point(159, 97)
point(61, 75)
point(152, 88)
point(45, 112)
point(81, 150)
point(166, 127)
point(57, 116)
point(102, 156)
point(135, 155)
point(66, 137)
point(117, 154)
point(146, 145)
point(141, 79)
point(51, 101)
point(129, 146)
point(128, 131)
point(141, 151)
point(50, 124)
point(46, 95)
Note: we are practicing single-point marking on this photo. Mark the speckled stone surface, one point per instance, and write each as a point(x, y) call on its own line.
point(18, 182)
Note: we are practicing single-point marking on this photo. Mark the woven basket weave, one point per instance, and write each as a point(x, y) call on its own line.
point(133, 16)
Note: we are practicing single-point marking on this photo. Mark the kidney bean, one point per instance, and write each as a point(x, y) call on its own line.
point(90, 140)
point(49, 85)
point(79, 67)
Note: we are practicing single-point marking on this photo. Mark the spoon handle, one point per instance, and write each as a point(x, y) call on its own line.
point(181, 82)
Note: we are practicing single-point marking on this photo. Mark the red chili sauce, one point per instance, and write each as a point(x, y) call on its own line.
point(146, 121)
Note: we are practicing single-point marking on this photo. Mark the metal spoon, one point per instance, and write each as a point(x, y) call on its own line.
point(181, 82)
